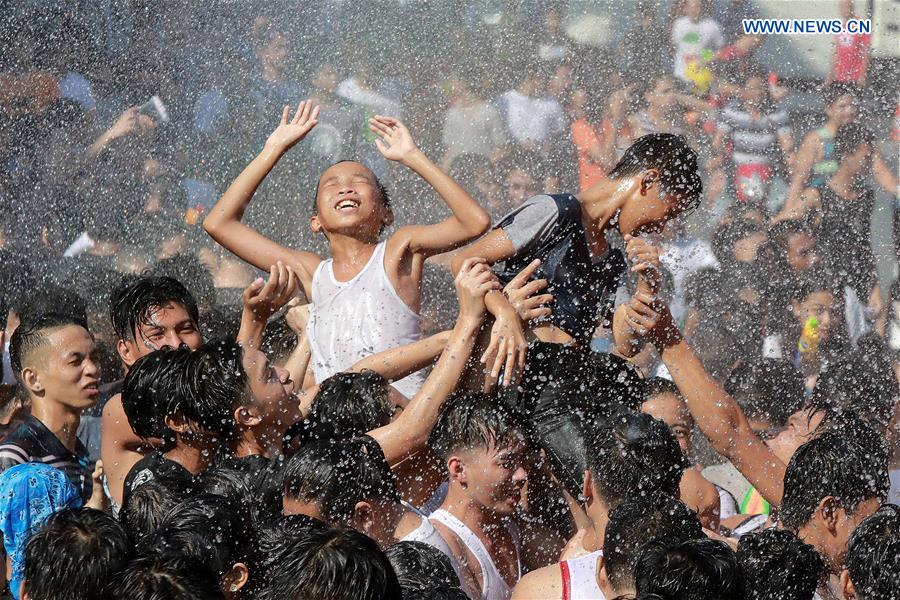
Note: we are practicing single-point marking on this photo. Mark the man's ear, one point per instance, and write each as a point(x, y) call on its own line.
point(127, 352)
point(602, 576)
point(457, 469)
point(237, 577)
point(314, 224)
point(32, 381)
point(388, 217)
point(827, 511)
point(246, 416)
point(847, 588)
point(649, 178)
point(177, 423)
point(795, 309)
point(363, 519)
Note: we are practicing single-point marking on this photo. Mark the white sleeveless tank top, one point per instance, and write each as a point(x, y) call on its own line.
point(350, 320)
point(493, 585)
point(579, 578)
point(426, 533)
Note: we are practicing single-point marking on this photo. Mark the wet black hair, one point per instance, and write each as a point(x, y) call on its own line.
point(273, 538)
point(631, 454)
point(441, 592)
point(421, 566)
point(657, 386)
point(353, 403)
point(337, 474)
point(638, 520)
point(671, 155)
point(379, 186)
point(137, 297)
point(144, 508)
point(31, 336)
point(873, 555)
point(337, 564)
point(471, 420)
point(767, 389)
point(815, 280)
point(779, 566)
point(699, 569)
point(187, 267)
point(148, 391)
point(74, 555)
point(278, 341)
point(164, 576)
point(830, 465)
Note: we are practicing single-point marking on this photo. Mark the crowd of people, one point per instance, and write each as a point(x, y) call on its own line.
point(289, 314)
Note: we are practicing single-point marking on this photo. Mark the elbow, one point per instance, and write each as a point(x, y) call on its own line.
point(479, 224)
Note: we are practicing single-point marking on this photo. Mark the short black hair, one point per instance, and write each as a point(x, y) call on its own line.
point(779, 566)
point(669, 154)
point(137, 297)
point(873, 555)
point(657, 386)
point(421, 566)
point(165, 576)
point(149, 388)
point(336, 474)
point(337, 564)
point(767, 389)
point(273, 538)
point(31, 335)
point(144, 508)
point(75, 554)
point(634, 453)
point(441, 592)
point(851, 136)
point(830, 465)
point(813, 281)
point(698, 569)
point(278, 341)
point(353, 403)
point(471, 420)
point(189, 268)
point(638, 520)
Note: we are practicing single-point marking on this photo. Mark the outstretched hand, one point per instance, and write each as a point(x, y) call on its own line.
point(474, 280)
point(396, 142)
point(290, 131)
point(263, 299)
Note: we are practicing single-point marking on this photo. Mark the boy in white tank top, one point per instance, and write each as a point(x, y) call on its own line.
point(367, 296)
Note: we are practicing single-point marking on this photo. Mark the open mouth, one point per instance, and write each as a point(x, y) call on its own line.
point(92, 388)
point(347, 205)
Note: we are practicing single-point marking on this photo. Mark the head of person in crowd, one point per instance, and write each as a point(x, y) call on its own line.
point(794, 246)
point(346, 483)
point(754, 87)
point(421, 566)
point(665, 403)
point(522, 176)
point(441, 592)
point(854, 144)
point(657, 92)
point(186, 266)
point(213, 530)
point(740, 244)
point(698, 569)
point(779, 566)
point(339, 564)
point(873, 557)
point(29, 494)
point(165, 576)
point(638, 520)
point(350, 184)
point(483, 445)
point(273, 537)
point(841, 103)
point(817, 295)
point(52, 356)
point(145, 508)
point(661, 174)
point(149, 312)
point(769, 391)
point(149, 389)
point(75, 555)
point(279, 341)
point(831, 484)
point(354, 403)
point(271, 45)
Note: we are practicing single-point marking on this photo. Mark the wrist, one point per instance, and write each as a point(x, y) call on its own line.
point(273, 150)
point(413, 159)
point(469, 322)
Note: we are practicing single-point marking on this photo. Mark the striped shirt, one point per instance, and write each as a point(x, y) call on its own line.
point(753, 141)
point(32, 442)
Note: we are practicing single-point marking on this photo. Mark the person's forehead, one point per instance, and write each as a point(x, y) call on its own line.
point(167, 313)
point(346, 169)
point(667, 405)
point(68, 339)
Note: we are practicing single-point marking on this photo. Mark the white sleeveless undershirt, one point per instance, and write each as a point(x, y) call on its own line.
point(579, 578)
point(351, 320)
point(493, 586)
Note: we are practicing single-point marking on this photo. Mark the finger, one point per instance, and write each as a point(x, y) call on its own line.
point(292, 282)
point(538, 313)
point(389, 121)
point(642, 309)
point(523, 355)
point(645, 298)
point(534, 286)
point(299, 112)
point(499, 359)
point(286, 111)
point(307, 108)
point(379, 128)
point(314, 115)
point(381, 146)
point(526, 273)
point(489, 383)
point(535, 301)
point(491, 349)
point(464, 268)
point(510, 372)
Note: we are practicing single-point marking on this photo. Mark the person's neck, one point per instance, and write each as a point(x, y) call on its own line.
point(346, 250)
point(473, 515)
point(250, 445)
point(832, 127)
point(600, 204)
point(324, 97)
point(60, 419)
point(192, 458)
point(104, 248)
point(593, 536)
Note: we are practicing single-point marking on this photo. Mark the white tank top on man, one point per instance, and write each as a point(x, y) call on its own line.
point(350, 320)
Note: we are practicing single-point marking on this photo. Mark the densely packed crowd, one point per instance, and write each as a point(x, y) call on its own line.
point(638, 349)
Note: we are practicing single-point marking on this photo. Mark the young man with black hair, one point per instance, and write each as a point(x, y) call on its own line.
point(74, 555)
point(627, 454)
point(698, 569)
point(873, 558)
point(779, 566)
point(145, 507)
point(52, 355)
point(338, 564)
point(421, 566)
point(164, 576)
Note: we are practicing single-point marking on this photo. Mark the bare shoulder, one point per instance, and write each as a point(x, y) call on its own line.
point(113, 412)
point(543, 584)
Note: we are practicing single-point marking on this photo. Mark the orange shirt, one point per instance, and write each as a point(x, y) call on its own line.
point(586, 137)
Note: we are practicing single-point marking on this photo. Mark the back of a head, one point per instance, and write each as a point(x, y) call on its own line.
point(873, 555)
point(830, 465)
point(337, 474)
point(164, 576)
point(137, 297)
point(149, 390)
point(145, 508)
point(353, 403)
point(441, 592)
point(74, 555)
point(638, 520)
point(336, 564)
point(471, 420)
point(669, 154)
point(421, 566)
point(699, 569)
point(767, 390)
point(779, 566)
point(634, 453)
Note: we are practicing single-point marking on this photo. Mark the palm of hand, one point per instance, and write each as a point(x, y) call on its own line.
point(288, 134)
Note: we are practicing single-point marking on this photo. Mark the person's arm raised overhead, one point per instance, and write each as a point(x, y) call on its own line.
point(468, 221)
point(409, 433)
point(717, 414)
point(262, 299)
point(224, 224)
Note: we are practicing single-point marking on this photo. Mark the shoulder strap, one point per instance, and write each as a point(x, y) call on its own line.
point(566, 580)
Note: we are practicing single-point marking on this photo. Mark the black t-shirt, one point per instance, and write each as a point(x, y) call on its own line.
point(33, 442)
point(153, 466)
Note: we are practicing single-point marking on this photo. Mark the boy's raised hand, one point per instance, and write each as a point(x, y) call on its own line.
point(649, 316)
point(523, 294)
point(474, 280)
point(290, 131)
point(263, 299)
point(644, 259)
point(396, 142)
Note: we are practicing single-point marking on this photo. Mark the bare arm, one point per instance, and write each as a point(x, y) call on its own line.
point(468, 221)
point(120, 447)
point(224, 224)
point(803, 163)
point(397, 363)
point(263, 299)
point(883, 175)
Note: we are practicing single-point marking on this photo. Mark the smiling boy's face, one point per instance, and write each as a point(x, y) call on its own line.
point(348, 201)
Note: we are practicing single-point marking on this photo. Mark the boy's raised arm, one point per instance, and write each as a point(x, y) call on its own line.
point(469, 220)
point(224, 224)
point(409, 433)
